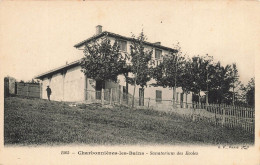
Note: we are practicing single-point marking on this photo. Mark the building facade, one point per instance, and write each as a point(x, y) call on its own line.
point(68, 83)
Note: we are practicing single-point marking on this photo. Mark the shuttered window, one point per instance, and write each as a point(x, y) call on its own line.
point(158, 53)
point(122, 45)
point(158, 96)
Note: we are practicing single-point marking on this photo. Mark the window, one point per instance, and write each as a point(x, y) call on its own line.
point(158, 96)
point(158, 62)
point(158, 53)
point(122, 45)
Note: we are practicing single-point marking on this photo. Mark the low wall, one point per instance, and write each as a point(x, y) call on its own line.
point(28, 89)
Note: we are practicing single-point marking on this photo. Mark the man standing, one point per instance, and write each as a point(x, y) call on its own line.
point(48, 92)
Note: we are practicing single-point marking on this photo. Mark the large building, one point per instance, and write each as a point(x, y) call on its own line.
point(68, 83)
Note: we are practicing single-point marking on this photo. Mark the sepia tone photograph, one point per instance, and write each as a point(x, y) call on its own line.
point(134, 74)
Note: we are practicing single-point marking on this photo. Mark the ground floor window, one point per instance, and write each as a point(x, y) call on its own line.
point(158, 96)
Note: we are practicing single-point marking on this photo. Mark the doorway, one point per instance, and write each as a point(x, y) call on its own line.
point(99, 85)
point(181, 99)
point(141, 97)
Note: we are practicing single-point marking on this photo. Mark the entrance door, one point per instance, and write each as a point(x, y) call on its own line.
point(181, 100)
point(99, 85)
point(141, 97)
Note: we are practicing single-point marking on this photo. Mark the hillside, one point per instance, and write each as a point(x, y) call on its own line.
point(36, 121)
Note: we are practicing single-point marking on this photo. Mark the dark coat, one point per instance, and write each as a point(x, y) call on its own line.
point(48, 91)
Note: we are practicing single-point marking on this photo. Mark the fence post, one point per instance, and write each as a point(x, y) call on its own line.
point(148, 102)
point(102, 96)
point(27, 90)
point(223, 116)
point(110, 100)
point(120, 96)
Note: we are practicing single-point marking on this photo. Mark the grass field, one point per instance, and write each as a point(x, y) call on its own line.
point(36, 121)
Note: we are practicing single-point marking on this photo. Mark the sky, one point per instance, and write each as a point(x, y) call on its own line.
point(39, 36)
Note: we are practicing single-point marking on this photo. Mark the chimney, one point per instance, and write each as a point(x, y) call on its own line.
point(157, 43)
point(98, 29)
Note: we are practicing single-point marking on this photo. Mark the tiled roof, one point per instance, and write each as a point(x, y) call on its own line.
point(120, 37)
point(59, 69)
point(75, 63)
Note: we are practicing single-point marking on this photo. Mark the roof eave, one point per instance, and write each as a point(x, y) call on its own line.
point(57, 70)
point(89, 39)
point(122, 37)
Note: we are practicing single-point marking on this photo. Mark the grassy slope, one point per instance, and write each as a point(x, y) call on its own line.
point(35, 121)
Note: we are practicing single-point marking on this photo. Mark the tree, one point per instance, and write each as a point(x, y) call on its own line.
point(170, 72)
point(33, 81)
point(240, 97)
point(250, 92)
point(139, 57)
point(223, 83)
point(199, 74)
point(103, 61)
point(220, 83)
point(246, 94)
point(235, 80)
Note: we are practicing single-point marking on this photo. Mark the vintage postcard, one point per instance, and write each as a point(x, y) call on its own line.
point(129, 82)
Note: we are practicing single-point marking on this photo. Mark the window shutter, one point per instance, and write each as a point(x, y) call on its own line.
point(122, 45)
point(158, 53)
point(158, 96)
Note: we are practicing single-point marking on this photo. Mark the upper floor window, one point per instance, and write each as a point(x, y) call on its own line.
point(158, 53)
point(122, 45)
